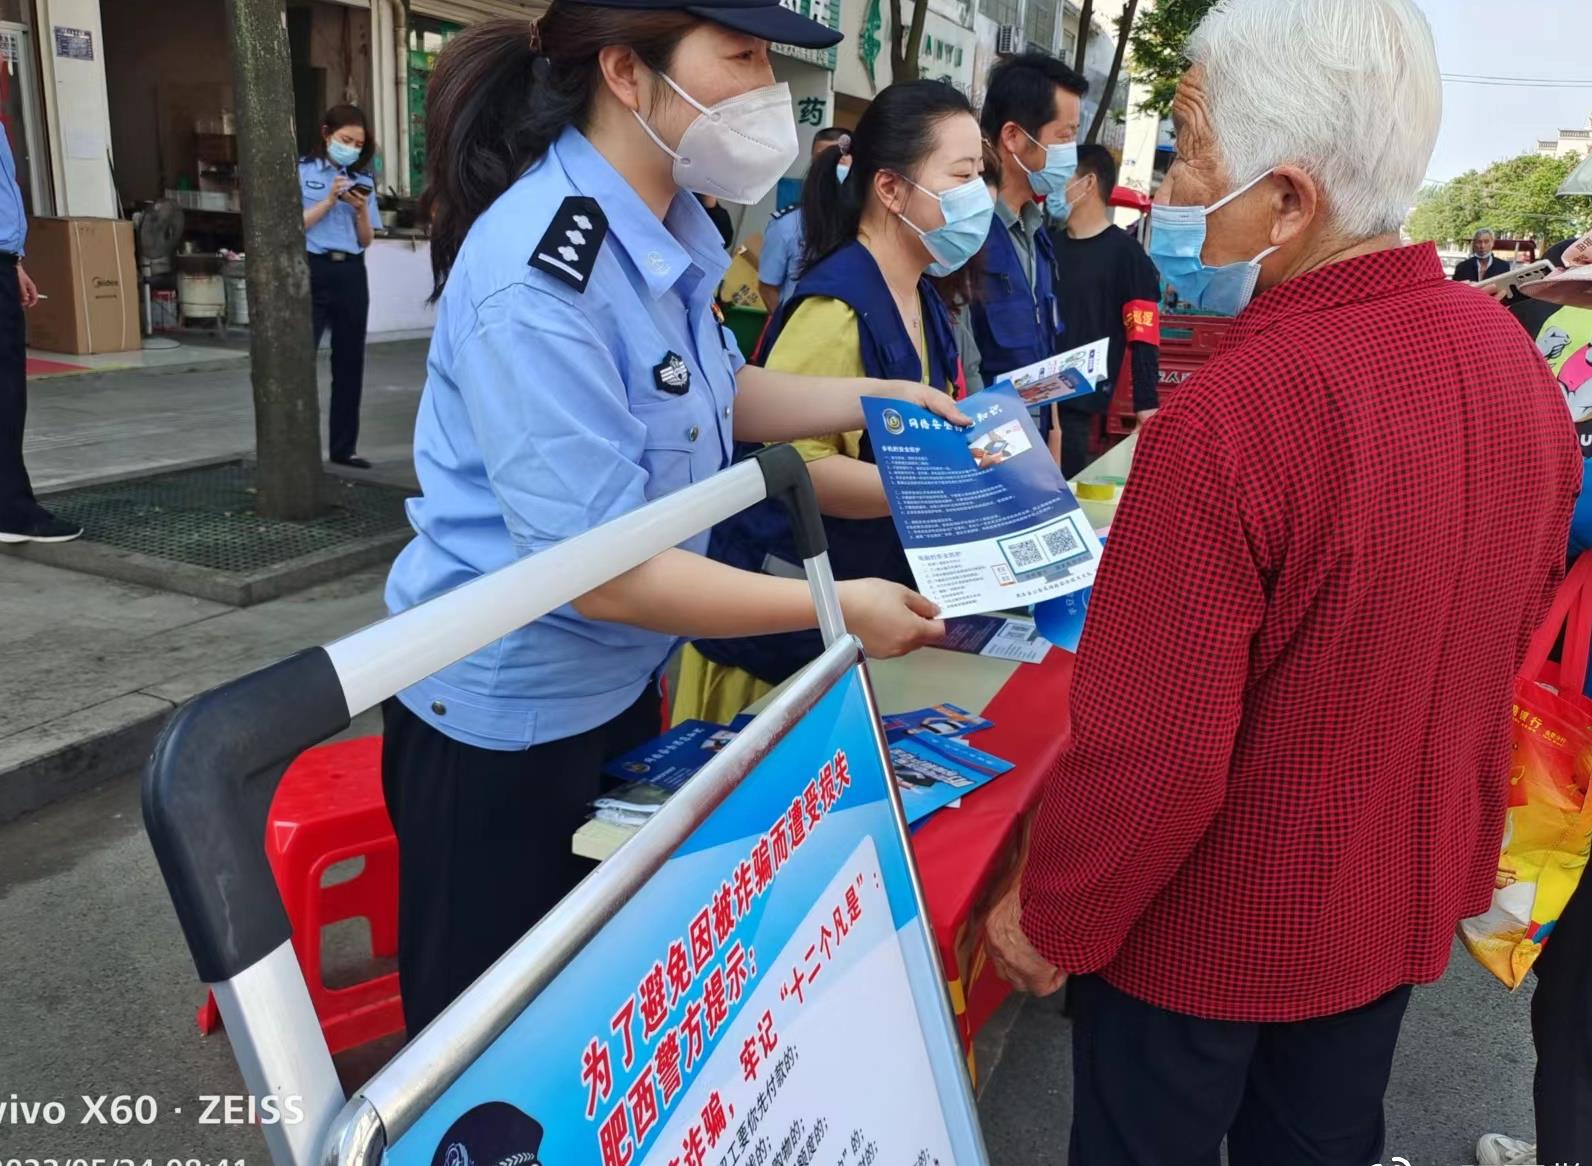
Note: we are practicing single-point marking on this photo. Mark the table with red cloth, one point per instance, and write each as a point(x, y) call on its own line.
point(967, 857)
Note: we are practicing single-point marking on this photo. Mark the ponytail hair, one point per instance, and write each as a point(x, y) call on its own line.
point(503, 91)
point(896, 133)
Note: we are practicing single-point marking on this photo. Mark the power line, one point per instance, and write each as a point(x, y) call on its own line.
point(1515, 82)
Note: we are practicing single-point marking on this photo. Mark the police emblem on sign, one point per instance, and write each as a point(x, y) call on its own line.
point(568, 251)
point(672, 375)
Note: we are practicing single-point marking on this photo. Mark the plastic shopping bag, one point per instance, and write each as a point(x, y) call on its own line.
point(1548, 828)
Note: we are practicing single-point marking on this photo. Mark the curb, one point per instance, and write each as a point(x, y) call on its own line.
point(74, 753)
point(234, 590)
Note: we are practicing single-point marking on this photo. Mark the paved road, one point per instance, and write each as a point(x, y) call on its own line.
point(97, 997)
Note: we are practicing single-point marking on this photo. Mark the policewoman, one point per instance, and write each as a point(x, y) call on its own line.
point(340, 219)
point(1030, 116)
point(577, 371)
point(912, 209)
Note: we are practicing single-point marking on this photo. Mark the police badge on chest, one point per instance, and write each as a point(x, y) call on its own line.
point(672, 375)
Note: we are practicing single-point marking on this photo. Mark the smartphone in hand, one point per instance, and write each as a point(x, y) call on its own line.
point(1530, 273)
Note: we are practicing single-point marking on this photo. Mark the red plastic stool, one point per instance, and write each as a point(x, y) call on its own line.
point(329, 809)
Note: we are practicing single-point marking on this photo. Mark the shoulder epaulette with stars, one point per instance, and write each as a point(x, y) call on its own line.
point(795, 206)
point(568, 251)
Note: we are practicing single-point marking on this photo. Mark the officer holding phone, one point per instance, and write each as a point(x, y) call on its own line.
point(340, 219)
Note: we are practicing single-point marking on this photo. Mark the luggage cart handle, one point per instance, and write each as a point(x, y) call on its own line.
point(214, 770)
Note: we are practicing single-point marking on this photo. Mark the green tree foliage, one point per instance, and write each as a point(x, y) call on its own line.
point(1158, 38)
point(1514, 198)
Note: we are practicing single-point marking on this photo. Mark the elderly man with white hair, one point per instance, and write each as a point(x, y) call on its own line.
point(1287, 771)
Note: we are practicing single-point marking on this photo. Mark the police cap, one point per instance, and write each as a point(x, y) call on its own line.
point(767, 19)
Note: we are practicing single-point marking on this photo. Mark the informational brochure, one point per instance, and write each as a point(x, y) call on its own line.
point(1074, 373)
point(1061, 620)
point(932, 772)
point(944, 720)
point(984, 516)
point(997, 636)
point(671, 759)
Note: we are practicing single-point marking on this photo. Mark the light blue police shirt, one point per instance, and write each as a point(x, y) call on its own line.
point(337, 230)
point(553, 402)
point(780, 262)
point(13, 217)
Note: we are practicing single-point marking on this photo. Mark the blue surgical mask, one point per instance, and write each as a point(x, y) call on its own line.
point(342, 154)
point(1052, 178)
point(841, 170)
point(968, 210)
point(1177, 244)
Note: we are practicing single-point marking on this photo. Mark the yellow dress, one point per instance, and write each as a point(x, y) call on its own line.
point(819, 340)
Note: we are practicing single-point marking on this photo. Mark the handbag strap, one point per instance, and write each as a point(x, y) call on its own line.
point(1571, 611)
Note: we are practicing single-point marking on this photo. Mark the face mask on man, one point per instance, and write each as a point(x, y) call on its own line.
point(1051, 178)
point(738, 149)
point(1177, 241)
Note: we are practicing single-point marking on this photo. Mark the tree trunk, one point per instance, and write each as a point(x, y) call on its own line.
point(1124, 26)
point(1085, 20)
point(906, 42)
point(282, 360)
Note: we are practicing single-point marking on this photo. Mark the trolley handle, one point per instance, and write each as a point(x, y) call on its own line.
point(207, 792)
point(785, 474)
point(215, 768)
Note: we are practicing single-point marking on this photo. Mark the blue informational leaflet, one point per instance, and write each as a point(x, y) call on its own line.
point(997, 636)
point(1061, 377)
point(984, 516)
point(944, 720)
point(673, 757)
point(1061, 620)
point(932, 772)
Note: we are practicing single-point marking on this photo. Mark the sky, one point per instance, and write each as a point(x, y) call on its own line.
point(1507, 38)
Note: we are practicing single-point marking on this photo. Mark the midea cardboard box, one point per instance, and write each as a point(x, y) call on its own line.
point(86, 269)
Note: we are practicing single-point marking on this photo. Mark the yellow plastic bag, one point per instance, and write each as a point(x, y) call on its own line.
point(1548, 829)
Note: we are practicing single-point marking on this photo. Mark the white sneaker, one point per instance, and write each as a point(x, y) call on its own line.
point(1502, 1150)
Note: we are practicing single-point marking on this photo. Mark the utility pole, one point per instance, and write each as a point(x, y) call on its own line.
point(281, 354)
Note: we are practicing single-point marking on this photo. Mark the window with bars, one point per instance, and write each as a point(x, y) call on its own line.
point(1039, 23)
point(1000, 11)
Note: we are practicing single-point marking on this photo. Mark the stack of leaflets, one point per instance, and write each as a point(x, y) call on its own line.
point(934, 768)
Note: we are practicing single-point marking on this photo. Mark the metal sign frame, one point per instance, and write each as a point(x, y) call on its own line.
point(388, 1105)
point(210, 781)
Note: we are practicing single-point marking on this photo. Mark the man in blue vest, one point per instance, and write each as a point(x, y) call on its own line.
point(1032, 106)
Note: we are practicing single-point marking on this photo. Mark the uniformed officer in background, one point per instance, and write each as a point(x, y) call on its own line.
point(22, 519)
point(1032, 106)
point(779, 264)
point(578, 370)
point(340, 220)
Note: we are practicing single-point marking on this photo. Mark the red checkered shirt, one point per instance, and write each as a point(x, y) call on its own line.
point(1290, 714)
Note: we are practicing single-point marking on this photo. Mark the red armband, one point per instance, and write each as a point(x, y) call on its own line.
point(1141, 319)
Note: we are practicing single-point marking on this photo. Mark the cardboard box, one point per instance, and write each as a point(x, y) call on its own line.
point(740, 281)
point(86, 269)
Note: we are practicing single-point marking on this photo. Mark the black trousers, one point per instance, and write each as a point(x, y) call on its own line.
point(1077, 432)
point(484, 842)
point(17, 504)
point(340, 301)
point(1156, 1088)
point(1561, 1028)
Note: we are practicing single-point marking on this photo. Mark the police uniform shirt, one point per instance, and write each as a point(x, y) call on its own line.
point(1023, 227)
point(13, 216)
point(338, 228)
point(779, 265)
point(576, 371)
